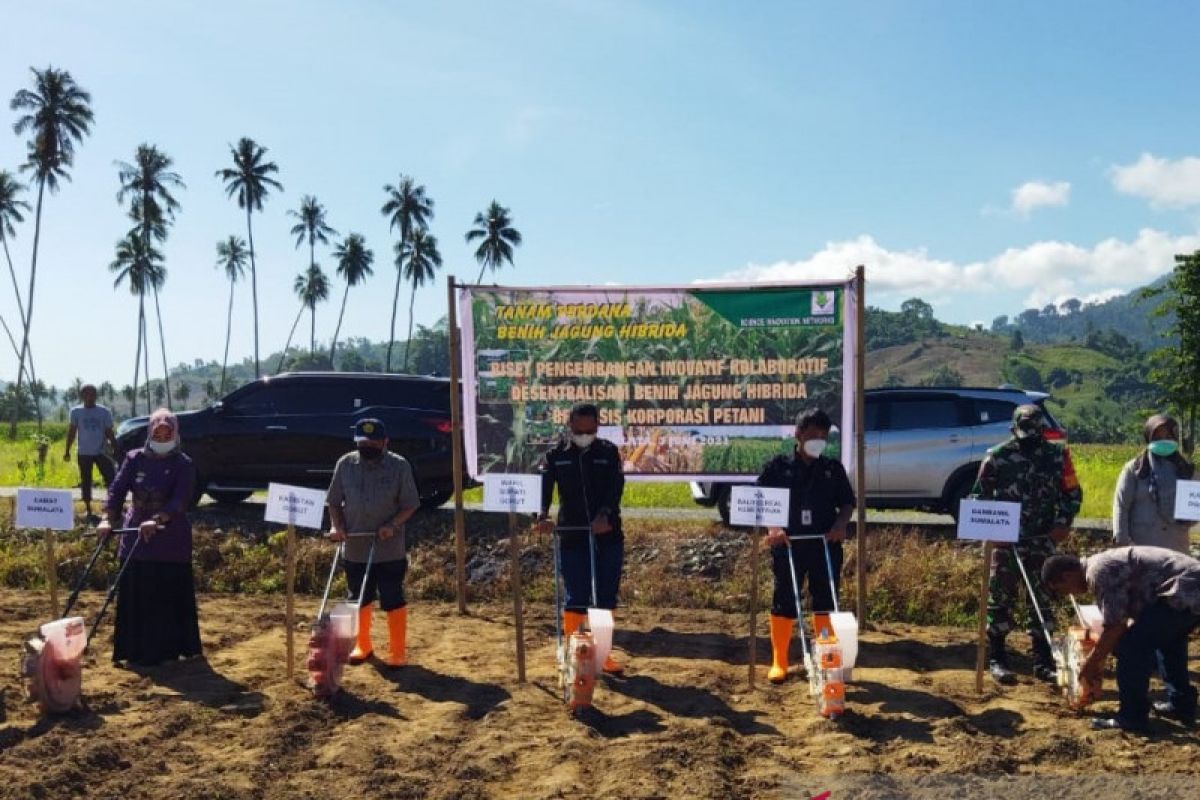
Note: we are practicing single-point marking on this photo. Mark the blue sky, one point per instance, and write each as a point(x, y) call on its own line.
point(984, 158)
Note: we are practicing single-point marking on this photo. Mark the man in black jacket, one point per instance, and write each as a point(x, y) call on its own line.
point(587, 471)
point(820, 503)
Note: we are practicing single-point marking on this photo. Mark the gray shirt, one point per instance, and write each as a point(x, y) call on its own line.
point(1127, 580)
point(90, 424)
point(370, 494)
point(1140, 518)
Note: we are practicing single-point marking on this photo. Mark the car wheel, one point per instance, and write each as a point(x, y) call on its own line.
point(229, 497)
point(198, 491)
point(723, 504)
point(959, 489)
point(436, 499)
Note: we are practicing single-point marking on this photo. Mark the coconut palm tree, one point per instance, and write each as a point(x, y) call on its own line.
point(354, 265)
point(312, 287)
point(11, 208)
point(312, 226)
point(418, 261)
point(250, 180)
point(57, 114)
point(182, 392)
point(409, 209)
point(231, 256)
point(137, 263)
point(148, 183)
point(315, 290)
point(498, 237)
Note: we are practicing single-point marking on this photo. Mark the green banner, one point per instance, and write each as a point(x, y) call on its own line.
point(690, 382)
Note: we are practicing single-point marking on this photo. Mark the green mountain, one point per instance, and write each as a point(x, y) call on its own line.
point(1073, 321)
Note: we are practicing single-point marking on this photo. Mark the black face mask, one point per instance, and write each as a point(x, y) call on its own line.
point(370, 453)
point(1030, 442)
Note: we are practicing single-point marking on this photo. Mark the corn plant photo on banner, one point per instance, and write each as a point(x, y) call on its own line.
point(701, 382)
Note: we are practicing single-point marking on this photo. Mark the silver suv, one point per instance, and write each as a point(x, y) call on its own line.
point(924, 445)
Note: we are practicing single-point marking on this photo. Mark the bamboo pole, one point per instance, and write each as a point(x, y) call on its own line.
point(291, 600)
point(981, 645)
point(514, 538)
point(860, 441)
point(456, 443)
point(51, 574)
point(754, 540)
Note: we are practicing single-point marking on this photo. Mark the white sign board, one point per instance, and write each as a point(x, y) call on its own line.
point(758, 506)
point(1187, 500)
point(295, 505)
point(989, 520)
point(520, 493)
point(45, 508)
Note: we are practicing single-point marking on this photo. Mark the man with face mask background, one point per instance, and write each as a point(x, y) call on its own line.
point(821, 502)
point(587, 472)
point(373, 490)
point(1038, 474)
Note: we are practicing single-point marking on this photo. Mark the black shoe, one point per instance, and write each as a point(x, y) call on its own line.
point(1166, 709)
point(1045, 673)
point(92, 519)
point(1115, 724)
point(1001, 673)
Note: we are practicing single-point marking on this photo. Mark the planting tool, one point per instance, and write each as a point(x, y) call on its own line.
point(333, 633)
point(1069, 650)
point(577, 656)
point(52, 665)
point(825, 663)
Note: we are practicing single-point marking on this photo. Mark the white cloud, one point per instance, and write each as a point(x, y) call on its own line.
point(1165, 183)
point(1033, 195)
point(1052, 271)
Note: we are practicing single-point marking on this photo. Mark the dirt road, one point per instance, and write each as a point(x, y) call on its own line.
point(455, 724)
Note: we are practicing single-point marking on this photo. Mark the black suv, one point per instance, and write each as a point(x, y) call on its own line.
point(292, 428)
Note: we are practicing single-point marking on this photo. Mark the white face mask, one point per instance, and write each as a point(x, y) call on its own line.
point(583, 440)
point(813, 448)
point(161, 448)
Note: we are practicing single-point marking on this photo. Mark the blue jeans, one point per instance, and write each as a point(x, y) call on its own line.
point(577, 570)
point(1157, 641)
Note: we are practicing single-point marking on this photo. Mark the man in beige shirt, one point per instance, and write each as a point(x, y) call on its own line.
point(373, 490)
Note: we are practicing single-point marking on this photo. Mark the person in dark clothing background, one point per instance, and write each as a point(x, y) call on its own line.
point(587, 472)
point(821, 502)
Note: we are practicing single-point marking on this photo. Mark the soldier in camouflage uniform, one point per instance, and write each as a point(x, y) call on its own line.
point(1038, 474)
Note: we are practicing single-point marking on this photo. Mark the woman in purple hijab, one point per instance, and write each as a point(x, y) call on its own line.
point(156, 617)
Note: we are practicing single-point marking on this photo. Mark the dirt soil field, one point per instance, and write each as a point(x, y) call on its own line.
point(456, 724)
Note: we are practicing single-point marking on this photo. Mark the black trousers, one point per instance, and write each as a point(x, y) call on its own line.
point(156, 617)
point(809, 555)
point(107, 471)
point(385, 581)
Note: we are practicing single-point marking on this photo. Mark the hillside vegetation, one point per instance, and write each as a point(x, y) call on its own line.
point(1092, 359)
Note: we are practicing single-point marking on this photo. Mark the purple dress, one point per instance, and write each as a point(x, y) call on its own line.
point(156, 617)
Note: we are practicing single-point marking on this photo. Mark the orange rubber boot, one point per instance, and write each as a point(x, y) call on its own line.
point(571, 622)
point(397, 620)
point(362, 644)
point(781, 639)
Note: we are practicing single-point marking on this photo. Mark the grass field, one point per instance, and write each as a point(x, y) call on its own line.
point(19, 459)
point(1097, 465)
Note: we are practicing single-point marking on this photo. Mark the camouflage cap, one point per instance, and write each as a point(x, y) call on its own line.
point(1028, 420)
